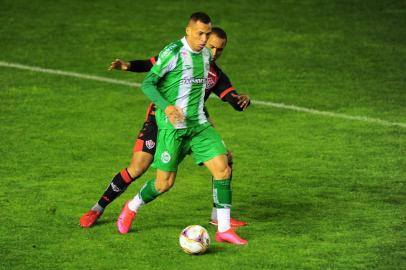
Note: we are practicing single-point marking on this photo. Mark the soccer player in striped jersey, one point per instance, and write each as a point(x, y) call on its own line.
point(144, 148)
point(176, 84)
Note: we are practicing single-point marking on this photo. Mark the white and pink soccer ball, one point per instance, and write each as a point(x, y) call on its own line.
point(194, 239)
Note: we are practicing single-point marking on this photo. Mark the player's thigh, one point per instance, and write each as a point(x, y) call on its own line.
point(144, 149)
point(168, 149)
point(147, 137)
point(140, 162)
point(206, 145)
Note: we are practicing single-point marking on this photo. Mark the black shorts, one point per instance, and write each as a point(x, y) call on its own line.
point(146, 141)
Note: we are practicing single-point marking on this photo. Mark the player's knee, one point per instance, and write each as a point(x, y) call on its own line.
point(139, 164)
point(165, 183)
point(136, 171)
point(162, 186)
point(223, 173)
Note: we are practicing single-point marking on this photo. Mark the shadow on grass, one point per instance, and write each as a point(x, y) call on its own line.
point(274, 209)
point(102, 221)
point(214, 250)
point(282, 216)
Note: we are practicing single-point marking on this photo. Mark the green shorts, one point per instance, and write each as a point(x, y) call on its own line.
point(174, 144)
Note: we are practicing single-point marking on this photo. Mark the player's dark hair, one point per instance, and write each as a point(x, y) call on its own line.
point(201, 17)
point(219, 32)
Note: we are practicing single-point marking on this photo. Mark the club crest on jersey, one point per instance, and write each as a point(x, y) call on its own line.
point(212, 78)
point(150, 144)
point(165, 157)
point(211, 82)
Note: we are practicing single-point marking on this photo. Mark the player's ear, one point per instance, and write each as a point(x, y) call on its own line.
point(188, 30)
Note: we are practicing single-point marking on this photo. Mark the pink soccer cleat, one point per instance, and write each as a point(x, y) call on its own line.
point(89, 218)
point(231, 237)
point(125, 219)
point(233, 222)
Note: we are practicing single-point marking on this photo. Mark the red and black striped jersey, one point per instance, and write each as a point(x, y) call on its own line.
point(217, 83)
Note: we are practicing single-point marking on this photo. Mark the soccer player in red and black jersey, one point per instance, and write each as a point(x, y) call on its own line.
point(144, 148)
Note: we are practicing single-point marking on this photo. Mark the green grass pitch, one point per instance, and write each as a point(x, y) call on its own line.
point(318, 192)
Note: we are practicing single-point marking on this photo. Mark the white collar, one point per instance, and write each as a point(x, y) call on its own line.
point(186, 44)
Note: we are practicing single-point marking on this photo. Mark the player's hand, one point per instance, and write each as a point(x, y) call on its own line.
point(175, 115)
point(119, 65)
point(243, 100)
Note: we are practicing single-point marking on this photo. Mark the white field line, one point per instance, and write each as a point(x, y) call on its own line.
point(329, 114)
point(67, 73)
point(258, 102)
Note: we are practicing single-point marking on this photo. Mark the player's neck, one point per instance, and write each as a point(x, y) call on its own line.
point(187, 45)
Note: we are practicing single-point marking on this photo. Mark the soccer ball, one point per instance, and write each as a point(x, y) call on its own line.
point(194, 239)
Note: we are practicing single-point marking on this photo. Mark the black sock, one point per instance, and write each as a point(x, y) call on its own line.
point(117, 186)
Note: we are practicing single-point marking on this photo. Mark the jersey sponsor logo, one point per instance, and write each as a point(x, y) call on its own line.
point(191, 80)
point(150, 144)
point(165, 157)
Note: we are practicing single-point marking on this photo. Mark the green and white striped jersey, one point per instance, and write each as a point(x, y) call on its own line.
point(183, 77)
